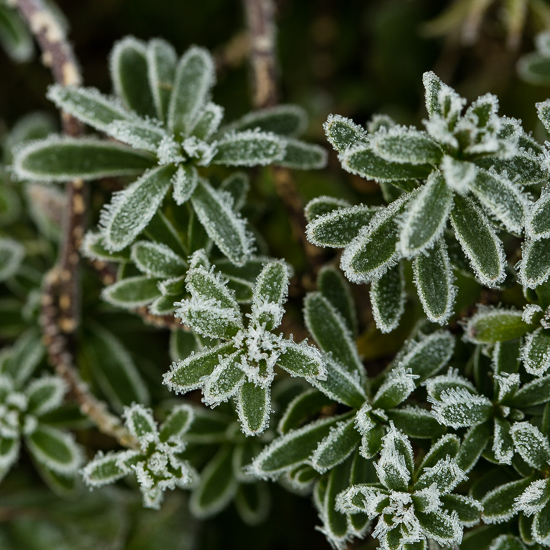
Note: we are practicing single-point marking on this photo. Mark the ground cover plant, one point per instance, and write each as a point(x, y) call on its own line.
point(261, 323)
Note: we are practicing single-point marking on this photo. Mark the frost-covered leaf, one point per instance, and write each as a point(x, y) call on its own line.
point(406, 145)
point(335, 289)
point(161, 67)
point(137, 134)
point(329, 329)
point(249, 148)
point(459, 408)
point(252, 502)
point(443, 528)
point(64, 159)
point(498, 504)
point(319, 206)
point(204, 285)
point(299, 359)
point(132, 292)
point(441, 100)
point(237, 185)
point(139, 421)
point(253, 408)
point(129, 73)
point(458, 174)
point(54, 449)
point(113, 368)
point(190, 373)
point(535, 497)
point(445, 474)
point(434, 278)
point(503, 446)
point(45, 394)
point(479, 241)
point(300, 155)
point(208, 121)
point(426, 216)
point(284, 120)
point(538, 225)
point(93, 247)
point(26, 355)
point(535, 264)
point(415, 422)
point(491, 325)
point(531, 444)
point(543, 110)
point(338, 228)
point(270, 293)
point(342, 440)
point(541, 526)
point(302, 408)
point(507, 542)
point(387, 297)
point(11, 257)
point(506, 357)
point(89, 105)
point(467, 509)
point(373, 251)
point(223, 226)
point(177, 423)
point(533, 393)
point(104, 469)
point(397, 386)
point(9, 453)
point(157, 260)
point(371, 442)
point(446, 446)
point(133, 208)
point(217, 486)
point(343, 133)
point(225, 380)
point(536, 352)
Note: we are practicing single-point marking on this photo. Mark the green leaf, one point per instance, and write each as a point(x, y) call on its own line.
point(93, 247)
point(161, 67)
point(129, 73)
point(104, 469)
point(468, 509)
point(252, 502)
point(336, 290)
point(89, 105)
point(538, 226)
point(45, 394)
point(479, 241)
point(208, 121)
point(27, 353)
point(531, 444)
point(284, 120)
point(54, 449)
point(397, 386)
point(293, 448)
point(299, 359)
point(372, 441)
point(14, 35)
point(64, 159)
point(138, 134)
point(491, 325)
point(507, 542)
point(223, 226)
point(249, 148)
point(536, 352)
point(139, 421)
point(270, 293)
point(338, 228)
point(440, 527)
point(204, 285)
point(498, 504)
point(157, 260)
point(459, 408)
point(363, 161)
point(506, 357)
point(133, 208)
point(543, 110)
point(387, 297)
point(217, 486)
point(238, 186)
point(253, 408)
point(406, 146)
point(319, 206)
point(541, 525)
point(503, 446)
point(303, 156)
point(190, 373)
point(531, 394)
point(446, 446)
point(342, 440)
point(225, 380)
point(302, 408)
point(535, 264)
point(132, 292)
point(177, 423)
point(343, 133)
point(416, 422)
point(9, 453)
point(243, 455)
point(445, 475)
point(332, 335)
point(113, 368)
point(12, 254)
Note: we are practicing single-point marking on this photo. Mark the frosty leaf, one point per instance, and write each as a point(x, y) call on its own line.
point(479, 241)
point(335, 289)
point(415, 422)
point(406, 145)
point(426, 216)
point(342, 440)
point(502, 198)
point(252, 502)
point(459, 408)
point(162, 230)
point(498, 504)
point(536, 352)
point(249, 148)
point(343, 133)
point(27, 353)
point(302, 408)
point(157, 260)
point(237, 185)
point(45, 394)
point(113, 368)
point(506, 357)
point(491, 325)
point(129, 73)
point(397, 386)
point(538, 226)
point(531, 444)
point(137, 134)
point(446, 446)
point(132, 292)
point(284, 120)
point(535, 497)
point(458, 174)
point(104, 469)
point(444, 529)
point(243, 454)
point(363, 161)
point(190, 373)
point(503, 446)
point(217, 486)
point(223, 226)
point(338, 228)
point(64, 159)
point(14, 35)
point(303, 156)
point(132, 209)
point(161, 66)
point(88, 105)
point(341, 386)
point(11, 257)
point(293, 448)
point(139, 421)
point(270, 292)
point(543, 110)
point(177, 423)
point(328, 328)
point(535, 265)
point(473, 445)
point(387, 297)
point(363, 498)
point(299, 359)
point(396, 447)
point(9, 453)
point(373, 251)
point(541, 526)
point(204, 285)
point(54, 449)
point(319, 206)
point(93, 247)
point(433, 278)
point(533, 393)
point(209, 319)
point(441, 100)
point(253, 408)
point(445, 474)
point(208, 121)
point(224, 381)
point(467, 509)
point(507, 542)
